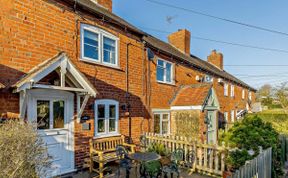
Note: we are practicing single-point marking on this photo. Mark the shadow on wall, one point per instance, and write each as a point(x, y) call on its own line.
point(9, 100)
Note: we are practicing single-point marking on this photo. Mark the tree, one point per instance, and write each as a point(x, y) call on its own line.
point(264, 92)
point(282, 96)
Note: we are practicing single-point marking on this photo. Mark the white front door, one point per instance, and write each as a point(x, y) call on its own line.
point(52, 110)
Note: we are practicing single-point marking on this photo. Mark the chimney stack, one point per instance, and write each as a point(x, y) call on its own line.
point(216, 59)
point(181, 40)
point(107, 4)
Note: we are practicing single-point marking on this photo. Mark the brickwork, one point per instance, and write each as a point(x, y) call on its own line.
point(32, 31)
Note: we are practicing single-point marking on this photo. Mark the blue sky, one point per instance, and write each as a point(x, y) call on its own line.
point(265, 13)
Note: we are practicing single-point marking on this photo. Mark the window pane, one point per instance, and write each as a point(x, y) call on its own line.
point(112, 126)
point(160, 63)
point(160, 74)
point(168, 72)
point(43, 114)
point(109, 50)
point(101, 111)
point(112, 111)
point(164, 127)
point(165, 117)
point(58, 114)
point(157, 123)
point(101, 126)
point(91, 45)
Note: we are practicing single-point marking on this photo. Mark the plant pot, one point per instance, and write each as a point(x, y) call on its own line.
point(227, 174)
point(165, 160)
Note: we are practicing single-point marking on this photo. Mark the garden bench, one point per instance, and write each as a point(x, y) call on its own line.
point(103, 151)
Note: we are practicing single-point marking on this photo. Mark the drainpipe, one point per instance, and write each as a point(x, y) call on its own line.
point(127, 95)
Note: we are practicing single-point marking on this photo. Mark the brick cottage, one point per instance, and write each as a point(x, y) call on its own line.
point(81, 72)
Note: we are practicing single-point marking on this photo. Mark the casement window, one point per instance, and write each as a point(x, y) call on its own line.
point(232, 91)
point(208, 78)
point(226, 117)
point(243, 94)
point(250, 95)
point(232, 116)
point(165, 71)
point(161, 123)
point(225, 89)
point(106, 117)
point(98, 46)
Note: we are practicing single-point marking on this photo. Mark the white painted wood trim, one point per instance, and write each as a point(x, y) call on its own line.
point(106, 102)
point(60, 88)
point(175, 108)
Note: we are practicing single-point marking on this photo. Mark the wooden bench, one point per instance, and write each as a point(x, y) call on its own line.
point(103, 151)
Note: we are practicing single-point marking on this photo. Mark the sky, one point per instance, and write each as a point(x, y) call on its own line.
point(270, 14)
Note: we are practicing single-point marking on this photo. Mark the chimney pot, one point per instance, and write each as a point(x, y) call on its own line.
point(216, 59)
point(181, 40)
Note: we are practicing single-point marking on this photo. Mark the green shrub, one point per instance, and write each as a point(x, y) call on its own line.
point(158, 148)
point(21, 151)
point(237, 158)
point(250, 134)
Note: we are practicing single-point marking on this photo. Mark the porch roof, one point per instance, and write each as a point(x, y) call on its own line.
point(2, 85)
point(46, 67)
point(192, 95)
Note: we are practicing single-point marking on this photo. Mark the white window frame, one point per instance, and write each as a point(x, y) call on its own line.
point(226, 87)
point(164, 77)
point(101, 34)
point(232, 93)
point(232, 116)
point(250, 95)
point(226, 116)
point(161, 113)
point(106, 102)
point(243, 94)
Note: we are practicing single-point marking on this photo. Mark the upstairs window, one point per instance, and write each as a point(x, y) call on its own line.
point(232, 91)
point(225, 89)
point(208, 79)
point(164, 71)
point(98, 46)
point(243, 94)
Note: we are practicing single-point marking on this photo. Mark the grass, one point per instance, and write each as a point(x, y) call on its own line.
point(277, 117)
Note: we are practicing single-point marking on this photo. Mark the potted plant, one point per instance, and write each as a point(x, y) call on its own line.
point(162, 151)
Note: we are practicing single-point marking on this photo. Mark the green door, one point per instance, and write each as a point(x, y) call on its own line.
point(211, 127)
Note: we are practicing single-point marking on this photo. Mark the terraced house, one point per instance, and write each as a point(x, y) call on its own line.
point(79, 72)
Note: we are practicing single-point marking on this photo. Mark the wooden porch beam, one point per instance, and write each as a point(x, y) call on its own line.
point(60, 88)
point(82, 107)
point(23, 105)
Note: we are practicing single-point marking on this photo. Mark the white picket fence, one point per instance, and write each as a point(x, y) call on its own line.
point(259, 167)
point(208, 158)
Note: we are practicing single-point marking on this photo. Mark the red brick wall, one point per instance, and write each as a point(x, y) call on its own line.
point(31, 31)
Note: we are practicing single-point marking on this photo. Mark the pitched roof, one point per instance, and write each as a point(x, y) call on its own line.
point(162, 46)
point(46, 64)
point(193, 60)
point(192, 95)
point(94, 8)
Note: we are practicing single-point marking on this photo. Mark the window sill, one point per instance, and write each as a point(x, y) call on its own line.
point(171, 84)
point(101, 64)
point(107, 135)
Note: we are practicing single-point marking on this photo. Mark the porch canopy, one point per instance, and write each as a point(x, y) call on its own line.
point(57, 73)
point(195, 97)
point(2, 85)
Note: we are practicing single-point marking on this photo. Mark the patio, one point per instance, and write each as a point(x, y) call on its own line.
point(114, 168)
